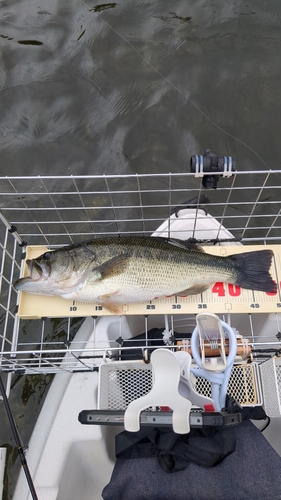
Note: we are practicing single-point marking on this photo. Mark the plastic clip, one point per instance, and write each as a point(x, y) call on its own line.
point(165, 392)
point(211, 335)
point(219, 370)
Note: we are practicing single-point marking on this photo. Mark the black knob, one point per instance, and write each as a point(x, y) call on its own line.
point(209, 163)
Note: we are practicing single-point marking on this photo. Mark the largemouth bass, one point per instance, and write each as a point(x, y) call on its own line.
point(126, 270)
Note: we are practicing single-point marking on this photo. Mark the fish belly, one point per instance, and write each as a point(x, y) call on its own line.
point(142, 281)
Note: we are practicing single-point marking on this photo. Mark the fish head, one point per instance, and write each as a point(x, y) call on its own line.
point(50, 273)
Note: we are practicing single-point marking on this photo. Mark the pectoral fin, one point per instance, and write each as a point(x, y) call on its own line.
point(193, 290)
point(111, 267)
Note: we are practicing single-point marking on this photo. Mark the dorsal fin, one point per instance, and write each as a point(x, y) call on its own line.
point(186, 244)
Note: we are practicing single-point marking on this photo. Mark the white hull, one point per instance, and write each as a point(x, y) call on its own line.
point(68, 460)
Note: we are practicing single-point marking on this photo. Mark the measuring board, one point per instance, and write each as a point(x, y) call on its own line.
point(219, 298)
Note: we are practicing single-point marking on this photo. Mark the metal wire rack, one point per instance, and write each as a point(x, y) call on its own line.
point(58, 210)
point(61, 210)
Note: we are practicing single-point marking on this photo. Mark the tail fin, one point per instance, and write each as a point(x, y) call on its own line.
point(253, 270)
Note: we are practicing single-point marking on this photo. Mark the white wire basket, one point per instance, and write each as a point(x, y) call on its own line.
point(52, 211)
point(271, 383)
point(122, 382)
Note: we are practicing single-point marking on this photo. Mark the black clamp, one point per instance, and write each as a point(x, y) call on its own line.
point(208, 164)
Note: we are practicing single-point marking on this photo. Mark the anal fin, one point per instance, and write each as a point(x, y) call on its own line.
point(193, 290)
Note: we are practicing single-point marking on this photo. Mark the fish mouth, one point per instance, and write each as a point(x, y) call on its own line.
point(38, 270)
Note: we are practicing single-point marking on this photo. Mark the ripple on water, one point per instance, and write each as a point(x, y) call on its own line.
point(3, 77)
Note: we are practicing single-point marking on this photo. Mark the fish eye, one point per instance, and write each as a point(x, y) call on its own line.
point(47, 255)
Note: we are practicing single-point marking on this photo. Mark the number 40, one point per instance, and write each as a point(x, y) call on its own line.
point(233, 290)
